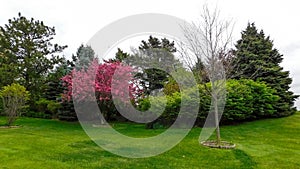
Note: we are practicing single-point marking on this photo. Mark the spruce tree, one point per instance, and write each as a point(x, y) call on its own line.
point(120, 56)
point(257, 59)
point(84, 56)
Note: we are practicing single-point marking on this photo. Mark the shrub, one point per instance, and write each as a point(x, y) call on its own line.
point(171, 87)
point(246, 100)
point(171, 105)
point(14, 97)
point(46, 108)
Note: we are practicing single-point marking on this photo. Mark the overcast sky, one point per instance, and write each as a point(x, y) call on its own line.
point(77, 21)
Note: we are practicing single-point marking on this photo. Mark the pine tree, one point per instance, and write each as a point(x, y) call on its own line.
point(257, 59)
point(28, 53)
point(155, 79)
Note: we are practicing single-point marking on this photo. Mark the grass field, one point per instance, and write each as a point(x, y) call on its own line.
point(39, 143)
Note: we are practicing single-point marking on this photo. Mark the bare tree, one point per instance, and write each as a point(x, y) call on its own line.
point(207, 42)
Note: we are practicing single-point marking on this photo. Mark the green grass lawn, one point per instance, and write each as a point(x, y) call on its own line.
point(39, 143)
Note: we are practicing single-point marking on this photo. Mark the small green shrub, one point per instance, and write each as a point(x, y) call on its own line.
point(14, 98)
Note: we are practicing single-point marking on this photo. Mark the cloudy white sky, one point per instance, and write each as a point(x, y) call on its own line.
point(77, 21)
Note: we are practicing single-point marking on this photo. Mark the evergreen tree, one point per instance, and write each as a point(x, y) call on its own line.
point(54, 87)
point(155, 43)
point(82, 60)
point(257, 59)
point(84, 56)
point(120, 56)
point(151, 78)
point(27, 53)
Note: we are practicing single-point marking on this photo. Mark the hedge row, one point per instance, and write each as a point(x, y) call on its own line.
point(245, 100)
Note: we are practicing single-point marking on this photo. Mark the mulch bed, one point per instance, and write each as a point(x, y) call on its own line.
point(213, 144)
point(8, 127)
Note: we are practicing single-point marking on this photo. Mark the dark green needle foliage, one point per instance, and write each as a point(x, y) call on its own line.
point(257, 59)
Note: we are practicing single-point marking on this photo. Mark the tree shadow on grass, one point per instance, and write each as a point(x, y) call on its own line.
point(88, 154)
point(246, 161)
point(83, 151)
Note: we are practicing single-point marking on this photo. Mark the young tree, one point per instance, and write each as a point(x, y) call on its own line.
point(256, 58)
point(27, 49)
point(206, 44)
point(14, 97)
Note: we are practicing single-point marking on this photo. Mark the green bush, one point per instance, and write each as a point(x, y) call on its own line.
point(46, 109)
point(54, 108)
point(246, 100)
point(14, 98)
point(171, 104)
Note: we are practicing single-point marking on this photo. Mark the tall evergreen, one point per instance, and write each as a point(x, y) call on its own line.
point(28, 53)
point(257, 59)
point(152, 78)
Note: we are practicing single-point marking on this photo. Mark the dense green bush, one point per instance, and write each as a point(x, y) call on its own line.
point(246, 100)
point(171, 105)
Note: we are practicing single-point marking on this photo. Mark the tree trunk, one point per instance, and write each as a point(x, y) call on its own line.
point(217, 121)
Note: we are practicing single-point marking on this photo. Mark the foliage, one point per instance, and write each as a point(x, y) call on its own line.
point(120, 56)
point(55, 89)
point(171, 87)
point(246, 100)
point(257, 59)
point(171, 105)
point(14, 97)
point(67, 111)
point(84, 56)
point(158, 50)
point(102, 83)
point(49, 108)
point(26, 48)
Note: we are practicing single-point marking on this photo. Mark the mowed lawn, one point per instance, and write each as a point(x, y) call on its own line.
point(39, 143)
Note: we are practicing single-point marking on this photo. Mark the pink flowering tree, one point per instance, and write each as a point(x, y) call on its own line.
point(95, 82)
